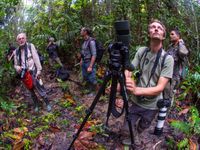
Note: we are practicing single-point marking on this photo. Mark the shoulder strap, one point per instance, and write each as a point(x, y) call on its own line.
point(154, 66)
point(89, 40)
point(144, 54)
point(163, 60)
point(18, 55)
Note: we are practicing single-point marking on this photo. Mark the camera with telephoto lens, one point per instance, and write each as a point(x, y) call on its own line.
point(23, 72)
point(163, 105)
point(118, 51)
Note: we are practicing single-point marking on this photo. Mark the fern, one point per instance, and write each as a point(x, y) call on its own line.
point(195, 120)
point(183, 144)
point(182, 126)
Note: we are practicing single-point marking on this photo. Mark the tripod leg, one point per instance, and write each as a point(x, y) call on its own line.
point(125, 98)
point(112, 98)
point(91, 108)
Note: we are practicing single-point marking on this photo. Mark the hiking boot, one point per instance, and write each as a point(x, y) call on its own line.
point(48, 107)
point(47, 103)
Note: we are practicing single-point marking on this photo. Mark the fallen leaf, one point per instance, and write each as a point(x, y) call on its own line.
point(84, 141)
point(18, 145)
point(27, 122)
point(86, 135)
point(15, 137)
point(69, 98)
point(184, 111)
point(88, 124)
point(54, 128)
point(193, 145)
point(71, 101)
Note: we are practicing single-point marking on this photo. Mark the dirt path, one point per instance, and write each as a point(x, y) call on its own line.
point(54, 130)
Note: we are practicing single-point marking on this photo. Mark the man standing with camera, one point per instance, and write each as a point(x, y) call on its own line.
point(27, 65)
point(152, 80)
point(88, 57)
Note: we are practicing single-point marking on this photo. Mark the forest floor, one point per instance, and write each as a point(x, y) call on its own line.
point(54, 130)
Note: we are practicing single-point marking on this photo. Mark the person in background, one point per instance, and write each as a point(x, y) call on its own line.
point(26, 59)
point(179, 52)
point(88, 56)
point(52, 49)
point(10, 52)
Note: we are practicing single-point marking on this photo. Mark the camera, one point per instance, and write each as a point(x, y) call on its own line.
point(118, 51)
point(163, 105)
point(23, 72)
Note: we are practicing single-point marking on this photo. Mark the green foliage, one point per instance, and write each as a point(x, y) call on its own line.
point(182, 126)
point(27, 144)
point(191, 85)
point(7, 106)
point(192, 126)
point(63, 85)
point(183, 144)
point(189, 128)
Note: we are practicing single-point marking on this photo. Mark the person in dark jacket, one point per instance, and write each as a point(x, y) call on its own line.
point(52, 49)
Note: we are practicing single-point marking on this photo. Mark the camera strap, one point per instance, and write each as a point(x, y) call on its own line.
point(25, 55)
point(154, 66)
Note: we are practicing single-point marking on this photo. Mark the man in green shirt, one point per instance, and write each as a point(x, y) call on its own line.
point(149, 88)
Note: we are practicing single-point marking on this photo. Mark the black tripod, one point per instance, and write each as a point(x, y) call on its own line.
point(116, 76)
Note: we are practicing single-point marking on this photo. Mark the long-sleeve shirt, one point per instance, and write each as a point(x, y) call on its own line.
point(32, 62)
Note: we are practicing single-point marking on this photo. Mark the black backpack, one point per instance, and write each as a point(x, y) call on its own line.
point(62, 73)
point(100, 49)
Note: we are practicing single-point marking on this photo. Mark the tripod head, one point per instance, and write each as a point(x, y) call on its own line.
point(119, 57)
point(118, 51)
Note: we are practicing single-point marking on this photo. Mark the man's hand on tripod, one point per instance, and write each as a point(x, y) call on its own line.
point(130, 85)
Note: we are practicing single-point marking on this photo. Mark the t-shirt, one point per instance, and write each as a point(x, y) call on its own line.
point(150, 102)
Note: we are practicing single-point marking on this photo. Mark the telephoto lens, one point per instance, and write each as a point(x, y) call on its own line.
point(163, 105)
point(122, 31)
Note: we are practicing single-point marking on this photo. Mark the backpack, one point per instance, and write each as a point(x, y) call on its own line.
point(62, 73)
point(100, 49)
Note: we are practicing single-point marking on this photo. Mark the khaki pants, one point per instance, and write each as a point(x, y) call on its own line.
point(57, 59)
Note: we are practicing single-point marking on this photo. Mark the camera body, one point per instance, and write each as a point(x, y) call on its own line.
point(118, 51)
point(119, 57)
